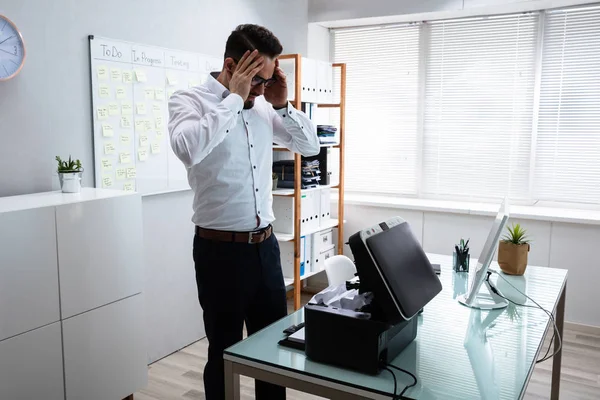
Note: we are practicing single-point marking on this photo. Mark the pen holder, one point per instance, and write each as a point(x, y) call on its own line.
point(461, 262)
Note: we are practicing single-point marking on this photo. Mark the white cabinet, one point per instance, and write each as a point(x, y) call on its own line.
point(100, 252)
point(283, 208)
point(309, 80)
point(31, 365)
point(28, 271)
point(316, 80)
point(104, 351)
point(324, 82)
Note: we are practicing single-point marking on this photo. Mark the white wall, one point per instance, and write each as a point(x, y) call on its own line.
point(555, 245)
point(46, 111)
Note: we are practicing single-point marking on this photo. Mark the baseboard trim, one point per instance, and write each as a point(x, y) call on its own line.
point(581, 328)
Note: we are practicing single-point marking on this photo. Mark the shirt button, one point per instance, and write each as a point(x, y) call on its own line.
point(284, 115)
point(227, 131)
point(259, 213)
point(246, 122)
point(257, 190)
point(255, 167)
point(239, 112)
point(251, 145)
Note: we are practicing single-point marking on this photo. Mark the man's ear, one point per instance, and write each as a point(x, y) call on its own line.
point(229, 65)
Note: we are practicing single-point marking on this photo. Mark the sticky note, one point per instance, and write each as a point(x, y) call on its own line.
point(125, 139)
point(159, 135)
point(141, 108)
point(125, 158)
point(109, 148)
point(148, 125)
point(121, 174)
point(155, 148)
point(171, 79)
point(156, 108)
point(125, 122)
point(106, 164)
point(142, 154)
point(107, 181)
point(127, 76)
point(103, 90)
point(102, 112)
point(113, 109)
point(102, 73)
point(143, 140)
point(121, 93)
point(107, 130)
point(159, 122)
point(140, 75)
point(126, 109)
point(159, 94)
point(128, 187)
point(140, 126)
point(170, 93)
point(149, 93)
point(115, 74)
point(131, 172)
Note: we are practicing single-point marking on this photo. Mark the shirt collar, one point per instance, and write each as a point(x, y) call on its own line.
point(215, 86)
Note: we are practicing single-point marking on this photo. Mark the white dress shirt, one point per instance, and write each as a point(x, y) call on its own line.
point(228, 153)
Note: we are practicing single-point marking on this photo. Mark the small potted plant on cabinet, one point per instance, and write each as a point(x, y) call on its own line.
point(69, 174)
point(513, 250)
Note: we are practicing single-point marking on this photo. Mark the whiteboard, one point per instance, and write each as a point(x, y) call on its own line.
point(131, 85)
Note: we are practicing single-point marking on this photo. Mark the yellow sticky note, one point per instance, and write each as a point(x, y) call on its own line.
point(103, 90)
point(121, 174)
point(142, 154)
point(125, 122)
point(131, 173)
point(155, 148)
point(113, 109)
point(143, 140)
point(107, 181)
point(125, 139)
point(102, 73)
point(147, 125)
point(121, 93)
point(106, 164)
point(125, 158)
point(159, 122)
point(109, 148)
point(128, 187)
point(149, 93)
point(170, 93)
point(141, 108)
point(171, 79)
point(115, 74)
point(107, 130)
point(159, 94)
point(140, 126)
point(140, 75)
point(102, 112)
point(156, 108)
point(159, 135)
point(126, 109)
point(127, 76)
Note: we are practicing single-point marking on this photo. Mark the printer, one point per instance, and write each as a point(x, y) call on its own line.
point(375, 316)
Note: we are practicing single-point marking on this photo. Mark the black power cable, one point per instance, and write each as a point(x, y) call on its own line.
point(395, 396)
point(407, 373)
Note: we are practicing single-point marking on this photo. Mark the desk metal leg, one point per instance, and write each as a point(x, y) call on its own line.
point(232, 382)
point(557, 360)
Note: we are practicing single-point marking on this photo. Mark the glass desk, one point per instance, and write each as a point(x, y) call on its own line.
point(459, 353)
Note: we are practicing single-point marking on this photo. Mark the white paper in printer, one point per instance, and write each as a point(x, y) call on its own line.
point(339, 297)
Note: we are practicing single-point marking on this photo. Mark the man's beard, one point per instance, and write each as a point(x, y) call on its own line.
point(248, 104)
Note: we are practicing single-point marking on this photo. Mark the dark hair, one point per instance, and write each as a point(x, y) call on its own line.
point(252, 37)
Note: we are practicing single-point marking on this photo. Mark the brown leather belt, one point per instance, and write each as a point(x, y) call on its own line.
point(253, 237)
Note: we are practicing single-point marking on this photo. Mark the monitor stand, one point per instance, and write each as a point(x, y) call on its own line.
point(485, 301)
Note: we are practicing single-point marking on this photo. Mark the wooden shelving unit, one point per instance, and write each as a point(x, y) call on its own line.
point(297, 192)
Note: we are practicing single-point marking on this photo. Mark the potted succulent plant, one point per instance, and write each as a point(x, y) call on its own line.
point(275, 179)
point(513, 250)
point(69, 174)
point(462, 256)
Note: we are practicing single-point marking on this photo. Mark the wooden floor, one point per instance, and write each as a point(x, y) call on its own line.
point(179, 376)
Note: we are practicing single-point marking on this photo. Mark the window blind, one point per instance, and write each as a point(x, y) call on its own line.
point(381, 107)
point(479, 92)
point(567, 162)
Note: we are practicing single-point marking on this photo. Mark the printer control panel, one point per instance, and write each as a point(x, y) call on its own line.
point(381, 227)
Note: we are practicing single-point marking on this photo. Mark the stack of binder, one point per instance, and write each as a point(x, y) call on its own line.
point(326, 134)
point(311, 175)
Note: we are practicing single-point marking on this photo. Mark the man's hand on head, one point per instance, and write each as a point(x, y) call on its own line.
point(241, 78)
point(277, 93)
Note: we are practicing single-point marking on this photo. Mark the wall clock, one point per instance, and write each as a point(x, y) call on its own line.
point(12, 49)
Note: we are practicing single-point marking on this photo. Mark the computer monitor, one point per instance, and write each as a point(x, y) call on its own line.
point(480, 276)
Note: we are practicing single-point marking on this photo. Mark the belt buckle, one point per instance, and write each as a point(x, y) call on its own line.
point(250, 236)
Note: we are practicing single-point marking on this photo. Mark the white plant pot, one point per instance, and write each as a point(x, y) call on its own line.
point(70, 182)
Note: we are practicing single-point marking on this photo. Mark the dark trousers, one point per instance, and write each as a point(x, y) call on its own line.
point(237, 283)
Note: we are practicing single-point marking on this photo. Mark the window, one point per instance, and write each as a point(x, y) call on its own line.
point(476, 108)
point(381, 108)
point(567, 162)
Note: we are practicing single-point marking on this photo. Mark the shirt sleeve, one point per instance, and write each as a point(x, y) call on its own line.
point(293, 130)
point(196, 127)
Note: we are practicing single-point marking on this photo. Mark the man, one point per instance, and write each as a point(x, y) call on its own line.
point(223, 132)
